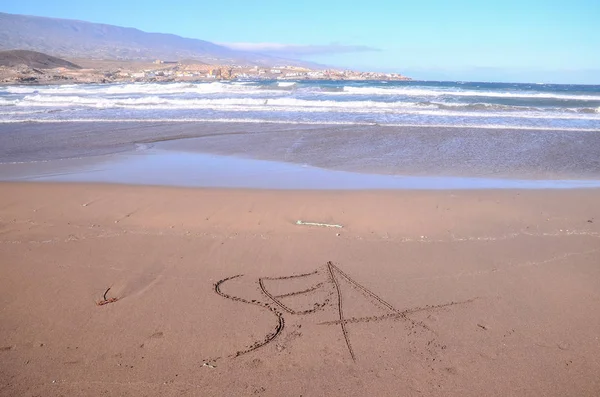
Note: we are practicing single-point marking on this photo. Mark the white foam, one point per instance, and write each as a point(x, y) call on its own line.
point(249, 88)
point(430, 92)
point(137, 88)
point(262, 100)
point(7, 102)
point(264, 121)
point(284, 104)
point(200, 103)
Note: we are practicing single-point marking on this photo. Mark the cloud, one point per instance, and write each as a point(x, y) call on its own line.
point(294, 50)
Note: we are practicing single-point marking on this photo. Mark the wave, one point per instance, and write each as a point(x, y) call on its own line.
point(278, 103)
point(267, 121)
point(425, 92)
point(488, 107)
point(247, 88)
point(136, 88)
point(8, 102)
point(157, 101)
point(588, 110)
point(510, 108)
point(331, 89)
point(289, 105)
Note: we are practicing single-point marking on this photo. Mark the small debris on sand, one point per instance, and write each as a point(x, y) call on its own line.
point(299, 222)
point(106, 301)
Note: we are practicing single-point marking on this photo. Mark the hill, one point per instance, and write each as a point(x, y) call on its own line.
point(33, 59)
point(79, 39)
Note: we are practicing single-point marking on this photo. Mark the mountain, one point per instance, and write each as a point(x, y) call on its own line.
point(79, 39)
point(33, 59)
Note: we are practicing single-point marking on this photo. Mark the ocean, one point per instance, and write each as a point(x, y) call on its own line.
point(406, 103)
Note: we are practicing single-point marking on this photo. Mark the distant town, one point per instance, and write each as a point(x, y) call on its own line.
point(38, 68)
point(283, 72)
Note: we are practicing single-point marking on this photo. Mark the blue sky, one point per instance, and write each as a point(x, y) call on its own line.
point(509, 40)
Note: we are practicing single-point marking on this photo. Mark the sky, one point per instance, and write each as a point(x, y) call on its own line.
point(483, 40)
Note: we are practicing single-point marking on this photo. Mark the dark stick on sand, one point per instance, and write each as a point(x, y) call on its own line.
point(106, 292)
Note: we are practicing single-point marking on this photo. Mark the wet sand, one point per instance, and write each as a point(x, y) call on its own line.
point(160, 167)
point(417, 151)
point(220, 292)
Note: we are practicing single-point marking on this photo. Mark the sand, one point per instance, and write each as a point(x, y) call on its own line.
point(220, 292)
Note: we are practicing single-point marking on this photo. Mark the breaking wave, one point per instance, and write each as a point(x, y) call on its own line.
point(420, 92)
point(268, 121)
point(134, 88)
point(313, 101)
point(7, 102)
point(255, 87)
point(284, 104)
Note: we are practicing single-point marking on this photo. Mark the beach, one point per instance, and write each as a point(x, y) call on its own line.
point(440, 292)
point(272, 199)
point(147, 252)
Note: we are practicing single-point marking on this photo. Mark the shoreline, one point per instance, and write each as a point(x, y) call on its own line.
point(299, 123)
point(381, 150)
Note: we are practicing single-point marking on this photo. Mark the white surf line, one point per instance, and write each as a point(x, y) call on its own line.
point(257, 121)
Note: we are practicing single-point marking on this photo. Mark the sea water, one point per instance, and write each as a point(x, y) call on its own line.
point(406, 103)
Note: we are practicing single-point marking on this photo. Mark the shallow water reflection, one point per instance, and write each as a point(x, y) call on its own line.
point(170, 168)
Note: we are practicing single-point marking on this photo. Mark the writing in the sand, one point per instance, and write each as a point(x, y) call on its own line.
point(327, 291)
